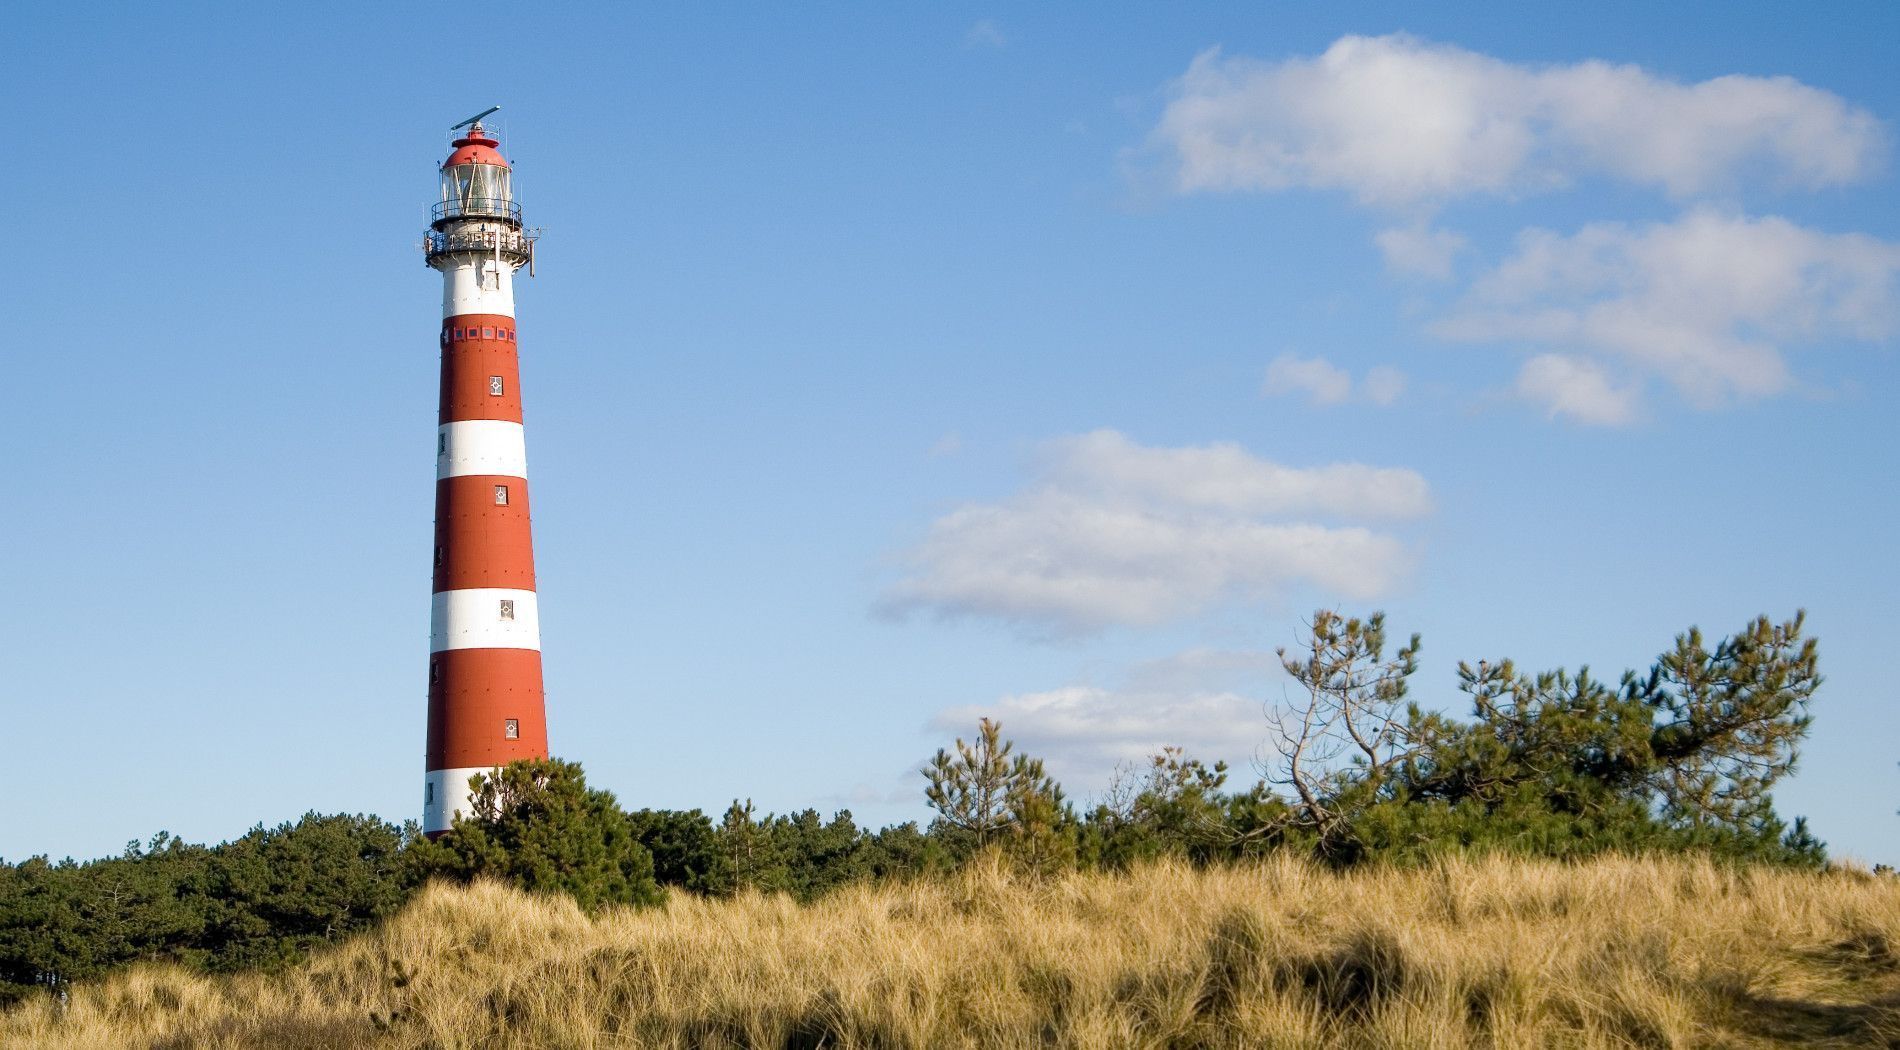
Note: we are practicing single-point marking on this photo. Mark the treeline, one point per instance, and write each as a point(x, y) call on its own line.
point(1680, 757)
point(260, 900)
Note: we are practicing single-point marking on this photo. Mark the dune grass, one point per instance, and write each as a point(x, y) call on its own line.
point(1504, 953)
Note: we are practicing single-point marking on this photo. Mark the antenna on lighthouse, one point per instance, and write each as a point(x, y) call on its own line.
point(475, 118)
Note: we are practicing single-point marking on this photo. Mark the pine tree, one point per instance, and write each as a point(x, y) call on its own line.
point(686, 850)
point(747, 848)
point(536, 824)
point(1557, 763)
point(1728, 721)
point(1683, 756)
point(986, 795)
point(970, 792)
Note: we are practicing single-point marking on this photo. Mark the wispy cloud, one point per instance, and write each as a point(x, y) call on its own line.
point(1206, 701)
point(1382, 385)
point(984, 33)
point(901, 787)
point(1110, 532)
point(1321, 382)
point(1575, 388)
point(1420, 250)
point(1708, 302)
point(1398, 121)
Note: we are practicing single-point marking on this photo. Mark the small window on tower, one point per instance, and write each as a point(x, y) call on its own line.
point(428, 793)
point(441, 444)
point(507, 608)
point(488, 333)
point(440, 557)
point(435, 673)
point(511, 729)
point(458, 335)
point(501, 495)
point(494, 386)
point(511, 335)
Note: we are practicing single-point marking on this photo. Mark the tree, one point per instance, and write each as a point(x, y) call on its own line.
point(685, 849)
point(260, 900)
point(536, 824)
point(984, 792)
point(1175, 807)
point(815, 856)
point(1341, 735)
point(1557, 763)
point(278, 891)
point(1729, 721)
point(902, 851)
point(971, 791)
point(803, 854)
point(1681, 757)
point(44, 941)
point(1042, 827)
point(746, 846)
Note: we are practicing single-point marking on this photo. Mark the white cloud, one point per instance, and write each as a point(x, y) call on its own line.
point(984, 33)
point(1420, 251)
point(1106, 467)
point(1383, 384)
point(1206, 701)
point(1324, 383)
point(1395, 120)
point(1111, 532)
point(1708, 302)
point(1575, 388)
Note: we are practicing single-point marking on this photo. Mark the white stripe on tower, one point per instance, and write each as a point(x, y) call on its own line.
point(474, 285)
point(445, 795)
point(484, 618)
point(481, 446)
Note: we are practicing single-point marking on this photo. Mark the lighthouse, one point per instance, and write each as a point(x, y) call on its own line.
point(486, 707)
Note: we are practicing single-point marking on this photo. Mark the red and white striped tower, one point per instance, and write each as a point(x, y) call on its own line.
point(485, 700)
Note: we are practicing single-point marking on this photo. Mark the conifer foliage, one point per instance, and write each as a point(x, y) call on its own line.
point(983, 797)
point(264, 899)
point(1681, 756)
point(537, 825)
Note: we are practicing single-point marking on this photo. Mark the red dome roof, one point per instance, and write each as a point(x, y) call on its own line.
point(476, 148)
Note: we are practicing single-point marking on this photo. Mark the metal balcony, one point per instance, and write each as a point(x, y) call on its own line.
point(515, 246)
point(494, 208)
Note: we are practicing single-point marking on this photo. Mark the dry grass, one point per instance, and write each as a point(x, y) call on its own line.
point(1496, 953)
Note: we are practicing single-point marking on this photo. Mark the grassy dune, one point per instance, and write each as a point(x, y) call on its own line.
point(1492, 953)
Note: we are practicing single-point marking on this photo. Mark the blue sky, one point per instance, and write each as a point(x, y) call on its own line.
point(892, 365)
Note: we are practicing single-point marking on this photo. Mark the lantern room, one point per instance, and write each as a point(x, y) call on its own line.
point(477, 182)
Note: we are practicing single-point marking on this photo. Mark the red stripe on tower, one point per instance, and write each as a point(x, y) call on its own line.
point(486, 706)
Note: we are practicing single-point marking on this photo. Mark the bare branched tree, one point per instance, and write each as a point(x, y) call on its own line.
point(1342, 730)
point(1118, 801)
